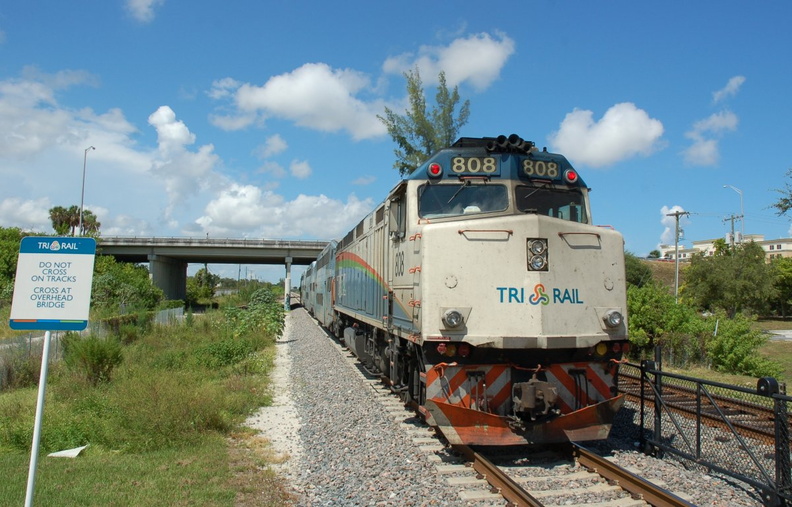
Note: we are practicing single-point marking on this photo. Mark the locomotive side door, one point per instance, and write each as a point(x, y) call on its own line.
point(402, 297)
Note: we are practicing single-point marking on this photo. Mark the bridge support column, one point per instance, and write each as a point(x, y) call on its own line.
point(170, 275)
point(287, 286)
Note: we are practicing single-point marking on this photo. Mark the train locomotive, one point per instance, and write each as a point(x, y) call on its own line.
point(481, 290)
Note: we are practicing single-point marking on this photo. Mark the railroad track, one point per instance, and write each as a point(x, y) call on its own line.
point(585, 475)
point(750, 419)
point(570, 475)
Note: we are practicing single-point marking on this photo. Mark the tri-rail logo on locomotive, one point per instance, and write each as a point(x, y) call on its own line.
point(539, 296)
point(483, 293)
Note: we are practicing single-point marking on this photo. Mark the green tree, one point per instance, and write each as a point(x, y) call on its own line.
point(67, 221)
point(10, 238)
point(90, 224)
point(637, 272)
point(783, 284)
point(734, 279)
point(648, 307)
point(784, 203)
point(123, 285)
point(61, 220)
point(419, 133)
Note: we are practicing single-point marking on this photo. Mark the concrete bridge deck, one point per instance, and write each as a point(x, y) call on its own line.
point(168, 257)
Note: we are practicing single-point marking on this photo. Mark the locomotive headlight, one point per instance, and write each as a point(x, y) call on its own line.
point(537, 246)
point(453, 318)
point(537, 254)
point(613, 318)
point(538, 263)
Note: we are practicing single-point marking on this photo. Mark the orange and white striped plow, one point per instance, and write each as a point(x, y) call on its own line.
point(470, 404)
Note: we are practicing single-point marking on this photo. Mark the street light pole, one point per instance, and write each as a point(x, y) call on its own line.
point(742, 212)
point(82, 193)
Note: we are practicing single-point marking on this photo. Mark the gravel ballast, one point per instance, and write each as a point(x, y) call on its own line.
point(341, 447)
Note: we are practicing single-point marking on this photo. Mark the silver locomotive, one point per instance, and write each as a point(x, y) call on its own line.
point(483, 292)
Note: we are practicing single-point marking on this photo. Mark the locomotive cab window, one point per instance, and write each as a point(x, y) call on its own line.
point(563, 203)
point(437, 201)
point(397, 218)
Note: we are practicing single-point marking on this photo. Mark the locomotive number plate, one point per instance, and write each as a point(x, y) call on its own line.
point(475, 165)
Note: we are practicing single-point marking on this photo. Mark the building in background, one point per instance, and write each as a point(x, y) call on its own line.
point(774, 248)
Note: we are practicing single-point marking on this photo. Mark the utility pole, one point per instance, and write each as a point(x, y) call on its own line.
point(731, 219)
point(676, 216)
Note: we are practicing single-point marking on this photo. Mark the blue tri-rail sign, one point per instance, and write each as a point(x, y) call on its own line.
point(52, 290)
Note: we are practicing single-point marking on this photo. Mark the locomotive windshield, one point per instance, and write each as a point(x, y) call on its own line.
point(567, 204)
point(461, 199)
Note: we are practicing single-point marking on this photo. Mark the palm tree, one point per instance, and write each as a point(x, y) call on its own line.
point(60, 220)
point(67, 221)
point(74, 218)
point(90, 224)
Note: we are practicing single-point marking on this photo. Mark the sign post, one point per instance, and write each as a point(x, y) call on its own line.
point(52, 291)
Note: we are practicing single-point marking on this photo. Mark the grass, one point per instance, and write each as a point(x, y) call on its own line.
point(781, 352)
point(216, 472)
point(164, 430)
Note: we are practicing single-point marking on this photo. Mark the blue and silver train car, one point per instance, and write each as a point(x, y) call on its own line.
point(482, 290)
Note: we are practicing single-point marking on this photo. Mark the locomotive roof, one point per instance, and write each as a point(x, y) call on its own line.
point(510, 151)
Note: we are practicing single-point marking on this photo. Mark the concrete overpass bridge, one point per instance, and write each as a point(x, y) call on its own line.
point(168, 257)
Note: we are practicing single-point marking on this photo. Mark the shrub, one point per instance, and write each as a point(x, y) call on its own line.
point(224, 352)
point(734, 348)
point(94, 357)
point(19, 369)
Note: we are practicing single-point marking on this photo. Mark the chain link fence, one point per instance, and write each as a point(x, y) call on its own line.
point(736, 431)
point(20, 356)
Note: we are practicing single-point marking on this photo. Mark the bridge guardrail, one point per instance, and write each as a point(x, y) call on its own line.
point(134, 240)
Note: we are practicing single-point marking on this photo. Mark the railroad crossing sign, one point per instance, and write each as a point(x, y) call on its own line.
point(52, 290)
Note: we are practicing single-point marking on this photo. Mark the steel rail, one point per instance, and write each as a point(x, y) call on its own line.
point(760, 426)
point(497, 478)
point(641, 488)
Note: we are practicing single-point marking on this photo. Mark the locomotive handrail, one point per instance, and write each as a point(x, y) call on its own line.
point(507, 231)
point(562, 234)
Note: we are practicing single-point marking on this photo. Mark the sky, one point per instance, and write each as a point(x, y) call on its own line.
point(257, 119)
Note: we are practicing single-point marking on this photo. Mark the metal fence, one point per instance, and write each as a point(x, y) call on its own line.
point(28, 348)
point(736, 431)
point(24, 349)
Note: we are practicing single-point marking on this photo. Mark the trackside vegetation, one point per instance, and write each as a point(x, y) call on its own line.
point(160, 407)
point(713, 322)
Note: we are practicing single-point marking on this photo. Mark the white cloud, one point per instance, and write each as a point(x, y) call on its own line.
point(42, 150)
point(32, 121)
point(327, 99)
point(273, 145)
point(140, 190)
point(232, 122)
point(125, 225)
point(143, 10)
point(32, 215)
point(716, 123)
point(223, 88)
point(705, 133)
point(300, 169)
point(364, 180)
point(251, 210)
point(272, 168)
point(477, 59)
point(731, 89)
point(318, 97)
point(184, 172)
point(623, 132)
point(669, 222)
